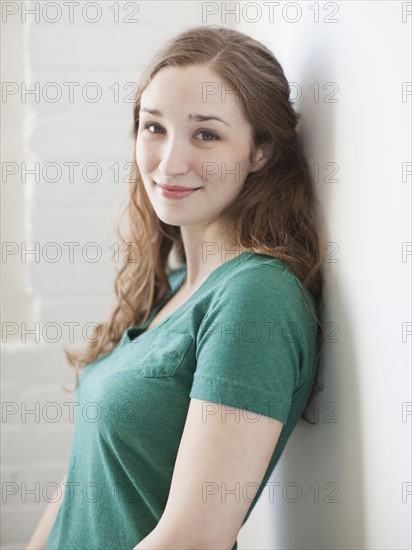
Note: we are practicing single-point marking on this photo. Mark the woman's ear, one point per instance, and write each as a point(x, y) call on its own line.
point(261, 156)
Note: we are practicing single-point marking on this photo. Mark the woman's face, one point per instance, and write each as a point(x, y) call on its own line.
point(174, 148)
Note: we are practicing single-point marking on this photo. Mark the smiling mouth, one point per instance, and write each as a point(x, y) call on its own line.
point(175, 187)
point(176, 194)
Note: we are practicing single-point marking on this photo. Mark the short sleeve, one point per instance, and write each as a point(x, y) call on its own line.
point(255, 343)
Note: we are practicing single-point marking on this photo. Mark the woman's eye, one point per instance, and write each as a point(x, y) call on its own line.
point(214, 136)
point(210, 136)
point(151, 124)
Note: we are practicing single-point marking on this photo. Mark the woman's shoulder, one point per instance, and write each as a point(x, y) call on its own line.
point(261, 269)
point(264, 279)
point(251, 275)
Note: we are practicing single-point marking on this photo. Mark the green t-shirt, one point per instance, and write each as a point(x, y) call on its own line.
point(244, 339)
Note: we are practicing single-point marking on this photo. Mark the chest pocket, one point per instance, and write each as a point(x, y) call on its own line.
point(166, 354)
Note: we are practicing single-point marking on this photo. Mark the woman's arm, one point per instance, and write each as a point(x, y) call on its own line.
point(42, 531)
point(219, 466)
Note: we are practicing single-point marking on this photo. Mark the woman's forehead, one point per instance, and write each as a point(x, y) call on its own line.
point(197, 89)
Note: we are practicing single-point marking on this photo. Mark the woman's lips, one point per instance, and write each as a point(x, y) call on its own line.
point(169, 194)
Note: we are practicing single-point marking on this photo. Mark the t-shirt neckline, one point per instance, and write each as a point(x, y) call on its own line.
point(181, 278)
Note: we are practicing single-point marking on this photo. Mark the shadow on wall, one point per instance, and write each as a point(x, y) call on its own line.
point(325, 461)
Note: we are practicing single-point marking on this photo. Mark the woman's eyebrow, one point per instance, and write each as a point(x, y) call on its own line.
point(196, 117)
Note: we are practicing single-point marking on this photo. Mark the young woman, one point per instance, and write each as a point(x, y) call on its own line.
point(186, 410)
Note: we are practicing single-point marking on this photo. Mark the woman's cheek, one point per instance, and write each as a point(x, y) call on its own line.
point(209, 170)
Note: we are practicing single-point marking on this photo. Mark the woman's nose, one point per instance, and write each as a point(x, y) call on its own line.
point(174, 157)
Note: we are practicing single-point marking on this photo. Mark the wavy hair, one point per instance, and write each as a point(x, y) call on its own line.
point(275, 213)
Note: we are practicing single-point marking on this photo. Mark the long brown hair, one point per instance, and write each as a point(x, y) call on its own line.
point(275, 212)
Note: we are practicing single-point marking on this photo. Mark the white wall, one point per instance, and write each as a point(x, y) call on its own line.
point(15, 301)
point(366, 371)
point(366, 134)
